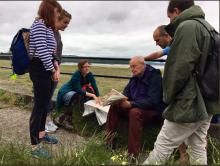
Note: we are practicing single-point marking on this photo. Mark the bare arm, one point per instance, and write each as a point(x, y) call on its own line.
point(154, 55)
point(97, 99)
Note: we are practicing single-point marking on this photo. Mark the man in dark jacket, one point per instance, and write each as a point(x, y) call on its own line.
point(188, 114)
point(143, 104)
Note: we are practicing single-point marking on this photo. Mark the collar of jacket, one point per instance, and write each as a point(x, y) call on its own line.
point(147, 72)
point(194, 11)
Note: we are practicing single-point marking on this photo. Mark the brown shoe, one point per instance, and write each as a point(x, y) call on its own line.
point(59, 120)
point(67, 125)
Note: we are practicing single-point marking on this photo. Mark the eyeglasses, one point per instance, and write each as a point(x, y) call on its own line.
point(86, 66)
point(133, 66)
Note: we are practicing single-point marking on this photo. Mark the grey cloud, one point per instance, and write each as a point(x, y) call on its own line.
point(104, 28)
point(118, 17)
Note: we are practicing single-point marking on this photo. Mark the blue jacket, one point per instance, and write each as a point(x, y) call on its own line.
point(146, 92)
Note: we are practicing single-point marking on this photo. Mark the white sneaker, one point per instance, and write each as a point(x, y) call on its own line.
point(55, 126)
point(50, 127)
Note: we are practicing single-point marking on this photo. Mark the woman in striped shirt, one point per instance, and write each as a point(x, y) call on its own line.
point(42, 47)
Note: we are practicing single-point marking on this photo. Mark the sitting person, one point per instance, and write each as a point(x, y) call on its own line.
point(81, 87)
point(142, 106)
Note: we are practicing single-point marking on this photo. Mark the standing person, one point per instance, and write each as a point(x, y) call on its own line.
point(144, 104)
point(82, 86)
point(188, 114)
point(42, 47)
point(163, 39)
point(61, 24)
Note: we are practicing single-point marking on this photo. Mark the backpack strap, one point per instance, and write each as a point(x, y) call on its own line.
point(196, 72)
point(204, 25)
point(211, 58)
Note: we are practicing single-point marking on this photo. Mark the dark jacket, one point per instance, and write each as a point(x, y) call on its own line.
point(58, 55)
point(146, 92)
point(189, 47)
point(75, 84)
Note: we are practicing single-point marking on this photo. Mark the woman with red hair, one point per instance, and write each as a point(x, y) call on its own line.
point(43, 71)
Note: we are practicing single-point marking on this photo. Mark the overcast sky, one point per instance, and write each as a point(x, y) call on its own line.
point(100, 28)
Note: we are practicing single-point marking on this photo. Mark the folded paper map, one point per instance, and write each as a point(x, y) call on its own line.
point(112, 97)
point(101, 111)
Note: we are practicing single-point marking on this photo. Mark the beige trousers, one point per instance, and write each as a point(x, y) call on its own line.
point(173, 134)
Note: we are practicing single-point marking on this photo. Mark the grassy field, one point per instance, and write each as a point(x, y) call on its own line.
point(104, 84)
point(95, 151)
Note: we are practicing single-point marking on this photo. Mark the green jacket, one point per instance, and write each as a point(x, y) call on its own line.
point(75, 84)
point(189, 47)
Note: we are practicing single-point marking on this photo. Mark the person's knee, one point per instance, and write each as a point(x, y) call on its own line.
point(134, 113)
point(197, 155)
point(115, 108)
point(201, 147)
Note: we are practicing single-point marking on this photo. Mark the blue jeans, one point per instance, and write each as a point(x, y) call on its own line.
point(67, 97)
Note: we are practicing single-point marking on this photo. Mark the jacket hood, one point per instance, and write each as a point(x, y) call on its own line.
point(190, 13)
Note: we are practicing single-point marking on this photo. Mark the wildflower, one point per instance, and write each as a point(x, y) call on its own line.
point(113, 158)
point(124, 163)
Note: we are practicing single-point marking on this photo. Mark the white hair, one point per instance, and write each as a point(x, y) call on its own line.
point(139, 59)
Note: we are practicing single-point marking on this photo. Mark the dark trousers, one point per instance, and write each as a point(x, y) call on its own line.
point(137, 119)
point(53, 88)
point(42, 87)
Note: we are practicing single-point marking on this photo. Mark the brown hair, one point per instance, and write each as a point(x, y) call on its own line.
point(81, 63)
point(64, 14)
point(46, 12)
point(179, 4)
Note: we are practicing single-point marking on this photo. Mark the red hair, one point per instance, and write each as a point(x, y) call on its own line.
point(46, 12)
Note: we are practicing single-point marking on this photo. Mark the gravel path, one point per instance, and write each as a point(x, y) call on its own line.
point(14, 127)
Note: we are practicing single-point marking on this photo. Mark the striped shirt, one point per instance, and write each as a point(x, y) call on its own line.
point(42, 43)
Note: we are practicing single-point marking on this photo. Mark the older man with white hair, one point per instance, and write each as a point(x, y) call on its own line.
point(143, 104)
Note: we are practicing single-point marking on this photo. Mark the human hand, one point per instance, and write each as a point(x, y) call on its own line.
point(99, 101)
point(56, 65)
point(55, 76)
point(125, 104)
point(58, 73)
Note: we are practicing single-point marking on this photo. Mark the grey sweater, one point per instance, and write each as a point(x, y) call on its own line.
point(58, 56)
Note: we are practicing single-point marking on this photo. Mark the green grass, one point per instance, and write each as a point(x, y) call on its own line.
point(95, 152)
point(18, 100)
point(104, 84)
point(84, 126)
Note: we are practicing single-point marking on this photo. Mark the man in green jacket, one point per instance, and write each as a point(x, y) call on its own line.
point(188, 115)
